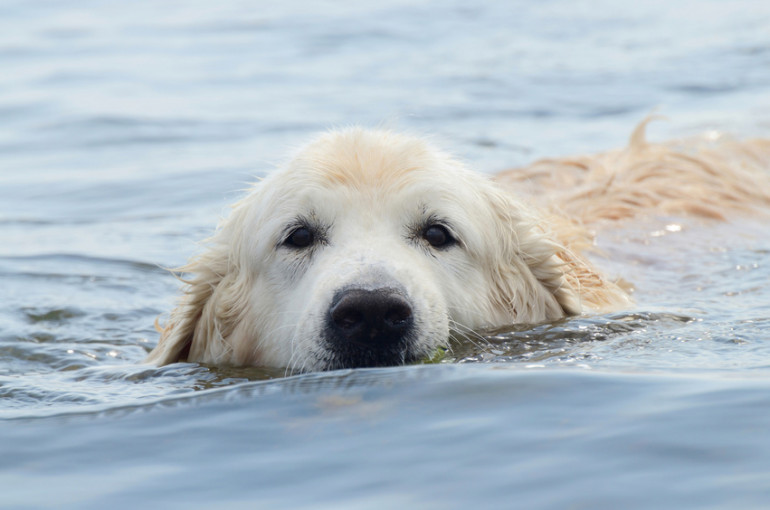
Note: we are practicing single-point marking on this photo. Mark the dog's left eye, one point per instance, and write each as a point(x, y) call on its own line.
point(301, 237)
point(438, 236)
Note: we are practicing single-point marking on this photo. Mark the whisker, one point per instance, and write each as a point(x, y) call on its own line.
point(467, 333)
point(461, 328)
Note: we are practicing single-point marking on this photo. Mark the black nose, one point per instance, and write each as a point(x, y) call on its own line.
point(378, 318)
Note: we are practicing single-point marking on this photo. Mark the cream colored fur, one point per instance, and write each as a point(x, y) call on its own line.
point(710, 177)
point(249, 300)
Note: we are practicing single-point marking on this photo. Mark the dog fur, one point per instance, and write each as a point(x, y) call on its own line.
point(375, 203)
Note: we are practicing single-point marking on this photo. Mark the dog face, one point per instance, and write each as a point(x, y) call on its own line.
point(367, 250)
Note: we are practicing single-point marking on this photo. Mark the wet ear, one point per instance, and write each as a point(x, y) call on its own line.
point(527, 281)
point(586, 288)
point(581, 287)
point(542, 274)
point(193, 311)
point(214, 301)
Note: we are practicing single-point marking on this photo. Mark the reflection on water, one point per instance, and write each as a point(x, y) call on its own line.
point(565, 339)
point(124, 132)
point(427, 436)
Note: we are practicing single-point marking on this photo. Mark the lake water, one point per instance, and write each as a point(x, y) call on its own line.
point(126, 128)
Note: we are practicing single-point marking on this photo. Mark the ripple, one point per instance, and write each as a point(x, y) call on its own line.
point(56, 315)
point(564, 339)
point(70, 260)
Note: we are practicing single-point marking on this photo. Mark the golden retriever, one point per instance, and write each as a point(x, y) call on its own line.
point(369, 248)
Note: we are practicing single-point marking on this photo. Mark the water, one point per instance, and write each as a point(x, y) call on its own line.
point(125, 131)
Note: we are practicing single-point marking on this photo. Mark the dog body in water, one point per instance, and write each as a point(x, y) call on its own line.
point(370, 248)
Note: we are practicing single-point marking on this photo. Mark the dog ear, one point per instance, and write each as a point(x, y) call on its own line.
point(585, 288)
point(539, 273)
point(213, 303)
point(193, 311)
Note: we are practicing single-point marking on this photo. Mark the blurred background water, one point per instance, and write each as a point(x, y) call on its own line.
point(126, 128)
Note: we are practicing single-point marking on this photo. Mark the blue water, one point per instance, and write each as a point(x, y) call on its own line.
point(126, 129)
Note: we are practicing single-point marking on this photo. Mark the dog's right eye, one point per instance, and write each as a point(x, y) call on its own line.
point(300, 237)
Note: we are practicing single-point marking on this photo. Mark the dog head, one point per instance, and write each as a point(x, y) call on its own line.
point(366, 250)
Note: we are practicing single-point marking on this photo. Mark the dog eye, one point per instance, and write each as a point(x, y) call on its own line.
point(438, 236)
point(301, 237)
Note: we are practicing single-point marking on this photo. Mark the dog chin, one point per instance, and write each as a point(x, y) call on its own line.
point(359, 357)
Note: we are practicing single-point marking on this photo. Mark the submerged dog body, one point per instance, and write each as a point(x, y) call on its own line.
point(370, 248)
point(367, 250)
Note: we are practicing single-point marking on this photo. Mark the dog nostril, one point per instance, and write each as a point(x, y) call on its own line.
point(398, 314)
point(347, 317)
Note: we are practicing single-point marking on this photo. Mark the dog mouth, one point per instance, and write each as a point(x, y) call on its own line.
point(357, 357)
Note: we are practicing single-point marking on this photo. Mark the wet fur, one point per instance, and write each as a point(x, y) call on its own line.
point(247, 302)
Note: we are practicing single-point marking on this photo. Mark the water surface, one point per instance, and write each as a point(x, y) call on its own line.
point(126, 129)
